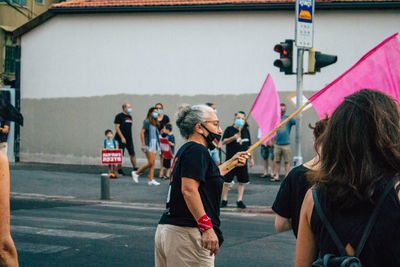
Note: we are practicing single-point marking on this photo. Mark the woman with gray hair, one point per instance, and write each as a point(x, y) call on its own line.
point(188, 233)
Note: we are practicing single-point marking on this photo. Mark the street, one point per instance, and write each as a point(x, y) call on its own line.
point(73, 233)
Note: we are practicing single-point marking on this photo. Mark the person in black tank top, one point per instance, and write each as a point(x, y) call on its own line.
point(291, 193)
point(360, 155)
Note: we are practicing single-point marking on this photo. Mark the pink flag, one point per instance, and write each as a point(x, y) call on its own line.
point(266, 109)
point(379, 69)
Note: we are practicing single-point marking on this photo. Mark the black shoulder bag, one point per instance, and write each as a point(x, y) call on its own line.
point(330, 260)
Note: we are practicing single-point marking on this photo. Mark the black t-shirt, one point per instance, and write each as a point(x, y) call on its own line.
point(291, 194)
point(3, 136)
point(382, 247)
point(233, 147)
point(193, 161)
point(165, 120)
point(125, 125)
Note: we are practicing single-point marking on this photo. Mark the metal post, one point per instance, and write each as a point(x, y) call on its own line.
point(298, 159)
point(105, 186)
point(17, 99)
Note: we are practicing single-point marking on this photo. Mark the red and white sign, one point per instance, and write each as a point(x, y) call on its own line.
point(111, 156)
point(166, 148)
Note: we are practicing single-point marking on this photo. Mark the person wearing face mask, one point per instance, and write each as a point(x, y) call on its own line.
point(163, 120)
point(215, 152)
point(123, 129)
point(188, 233)
point(236, 138)
point(150, 137)
point(282, 145)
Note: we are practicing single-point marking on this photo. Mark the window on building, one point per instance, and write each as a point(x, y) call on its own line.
point(39, 2)
point(19, 2)
point(9, 62)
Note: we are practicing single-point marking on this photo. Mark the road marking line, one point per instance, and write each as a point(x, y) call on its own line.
point(15, 218)
point(59, 233)
point(39, 196)
point(36, 248)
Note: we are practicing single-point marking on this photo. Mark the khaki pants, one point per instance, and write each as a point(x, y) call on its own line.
point(3, 148)
point(180, 246)
point(282, 152)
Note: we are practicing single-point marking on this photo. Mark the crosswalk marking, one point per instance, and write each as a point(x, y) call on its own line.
point(60, 229)
point(96, 216)
point(59, 232)
point(128, 227)
point(39, 248)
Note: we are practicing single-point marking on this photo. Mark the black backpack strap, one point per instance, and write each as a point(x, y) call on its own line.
point(326, 223)
point(372, 219)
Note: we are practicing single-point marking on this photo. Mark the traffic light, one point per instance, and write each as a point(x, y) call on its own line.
point(285, 62)
point(317, 60)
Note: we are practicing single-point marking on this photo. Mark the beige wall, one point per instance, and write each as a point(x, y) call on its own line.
point(71, 130)
point(10, 17)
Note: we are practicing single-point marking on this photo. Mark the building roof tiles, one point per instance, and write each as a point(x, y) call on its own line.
point(166, 3)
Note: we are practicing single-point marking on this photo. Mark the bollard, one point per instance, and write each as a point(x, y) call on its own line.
point(105, 186)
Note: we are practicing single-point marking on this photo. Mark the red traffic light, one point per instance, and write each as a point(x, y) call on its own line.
point(278, 48)
point(285, 61)
point(283, 48)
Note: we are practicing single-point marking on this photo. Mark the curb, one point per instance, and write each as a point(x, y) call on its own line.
point(250, 209)
point(129, 205)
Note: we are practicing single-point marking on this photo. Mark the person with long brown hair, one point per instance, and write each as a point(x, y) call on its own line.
point(149, 135)
point(359, 159)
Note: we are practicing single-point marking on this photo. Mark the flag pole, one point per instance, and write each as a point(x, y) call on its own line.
point(259, 142)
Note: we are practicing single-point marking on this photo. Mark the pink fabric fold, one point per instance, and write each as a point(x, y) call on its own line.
point(379, 69)
point(266, 109)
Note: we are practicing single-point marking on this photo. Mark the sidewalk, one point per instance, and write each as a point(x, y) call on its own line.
point(82, 183)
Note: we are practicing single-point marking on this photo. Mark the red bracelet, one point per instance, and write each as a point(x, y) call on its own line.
point(204, 223)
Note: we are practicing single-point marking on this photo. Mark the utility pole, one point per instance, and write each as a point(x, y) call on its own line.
point(304, 32)
point(298, 158)
point(304, 35)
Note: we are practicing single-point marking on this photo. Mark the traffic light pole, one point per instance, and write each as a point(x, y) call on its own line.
point(298, 159)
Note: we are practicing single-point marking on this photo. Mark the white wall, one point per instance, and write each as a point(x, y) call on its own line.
point(185, 53)
point(77, 70)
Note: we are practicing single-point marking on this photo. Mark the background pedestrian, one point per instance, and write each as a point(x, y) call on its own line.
point(236, 138)
point(282, 148)
point(123, 128)
point(150, 137)
point(163, 120)
point(167, 133)
point(215, 153)
point(110, 143)
point(267, 154)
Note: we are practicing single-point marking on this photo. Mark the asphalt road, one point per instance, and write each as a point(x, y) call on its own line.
point(70, 233)
point(86, 186)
